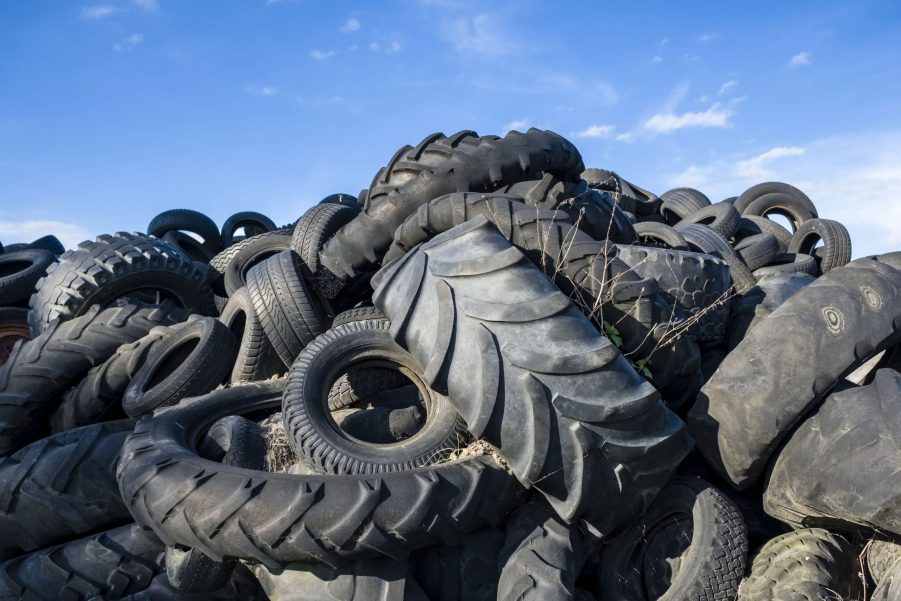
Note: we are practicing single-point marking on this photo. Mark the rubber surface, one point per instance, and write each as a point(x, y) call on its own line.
point(256, 359)
point(252, 222)
point(836, 248)
point(20, 272)
point(189, 221)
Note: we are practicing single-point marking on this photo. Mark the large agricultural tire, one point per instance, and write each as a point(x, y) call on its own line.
point(285, 304)
point(691, 543)
point(759, 393)
point(839, 469)
point(20, 272)
point(322, 444)
point(39, 371)
point(187, 220)
point(761, 300)
point(514, 355)
point(467, 571)
point(256, 358)
point(808, 565)
point(113, 268)
point(440, 165)
point(13, 328)
point(277, 518)
point(61, 487)
point(881, 556)
point(890, 588)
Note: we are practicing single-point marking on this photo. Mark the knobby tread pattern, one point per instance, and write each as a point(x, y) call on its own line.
point(290, 314)
point(541, 557)
point(61, 487)
point(467, 571)
point(276, 518)
point(524, 368)
point(38, 371)
point(110, 565)
point(414, 177)
point(110, 268)
point(379, 579)
point(357, 385)
point(808, 565)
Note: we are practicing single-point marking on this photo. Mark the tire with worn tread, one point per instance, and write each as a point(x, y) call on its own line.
point(721, 218)
point(20, 272)
point(836, 249)
point(786, 263)
point(655, 234)
point(187, 220)
point(679, 203)
point(881, 556)
point(793, 209)
point(757, 250)
point(256, 359)
point(252, 222)
point(703, 239)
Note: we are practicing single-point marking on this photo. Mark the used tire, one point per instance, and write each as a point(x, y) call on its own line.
point(722, 218)
point(655, 234)
point(20, 272)
point(787, 263)
point(13, 328)
point(757, 395)
point(761, 300)
point(691, 543)
point(290, 313)
point(61, 487)
point(703, 239)
point(679, 203)
point(793, 209)
point(751, 224)
point(284, 518)
point(852, 444)
point(113, 268)
point(758, 190)
point(890, 588)
point(190, 362)
point(39, 371)
point(492, 332)
point(251, 222)
point(250, 252)
point(49, 243)
point(256, 359)
point(836, 249)
point(314, 229)
point(809, 564)
point(189, 246)
point(881, 556)
point(188, 221)
point(757, 250)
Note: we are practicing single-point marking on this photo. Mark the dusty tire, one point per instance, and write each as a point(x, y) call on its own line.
point(836, 249)
point(761, 300)
point(252, 222)
point(113, 268)
point(314, 229)
point(809, 565)
point(694, 532)
point(289, 311)
point(61, 487)
point(757, 250)
point(20, 272)
point(881, 556)
point(788, 263)
point(758, 190)
point(188, 221)
point(721, 218)
point(251, 252)
point(852, 444)
point(890, 588)
point(256, 359)
point(796, 211)
point(488, 329)
point(679, 203)
point(659, 235)
point(190, 362)
point(286, 518)
point(13, 328)
point(848, 315)
point(703, 239)
point(750, 225)
point(322, 444)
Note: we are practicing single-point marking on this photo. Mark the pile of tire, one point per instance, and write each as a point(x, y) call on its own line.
point(494, 374)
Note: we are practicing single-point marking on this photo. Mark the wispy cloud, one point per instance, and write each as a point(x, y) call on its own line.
point(517, 124)
point(321, 55)
point(25, 231)
point(263, 90)
point(726, 87)
point(594, 131)
point(99, 11)
point(755, 167)
point(351, 25)
point(129, 43)
point(625, 137)
point(665, 123)
point(657, 59)
point(481, 34)
point(708, 37)
point(799, 60)
point(148, 5)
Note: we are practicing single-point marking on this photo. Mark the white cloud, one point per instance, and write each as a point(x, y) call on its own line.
point(263, 90)
point(25, 231)
point(320, 55)
point(799, 60)
point(594, 131)
point(351, 25)
point(394, 46)
point(148, 5)
point(665, 123)
point(626, 137)
point(727, 86)
point(657, 59)
point(754, 167)
point(708, 37)
point(517, 124)
point(129, 43)
point(99, 11)
point(482, 34)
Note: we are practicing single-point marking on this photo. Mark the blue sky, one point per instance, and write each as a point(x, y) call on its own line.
point(111, 111)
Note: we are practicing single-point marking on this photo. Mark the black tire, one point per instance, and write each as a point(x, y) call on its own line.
point(113, 268)
point(278, 519)
point(810, 564)
point(836, 249)
point(190, 362)
point(890, 588)
point(252, 222)
point(679, 203)
point(761, 300)
point(757, 250)
point(721, 218)
point(466, 571)
point(20, 272)
point(359, 385)
point(787, 263)
point(290, 313)
point(109, 565)
point(698, 285)
point(256, 359)
point(13, 328)
point(314, 229)
point(39, 371)
point(691, 543)
point(61, 487)
point(188, 221)
point(189, 246)
point(440, 165)
point(489, 330)
point(881, 556)
point(357, 314)
point(756, 191)
point(380, 579)
point(848, 315)
point(322, 444)
point(796, 211)
point(49, 243)
point(852, 444)
point(541, 557)
point(655, 234)
point(252, 251)
point(751, 224)
point(347, 200)
point(701, 238)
